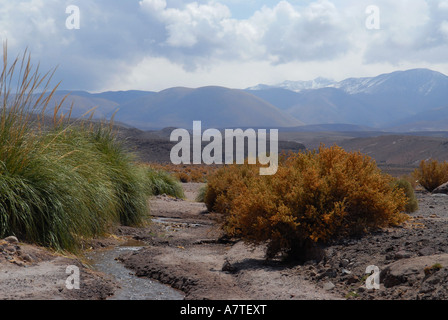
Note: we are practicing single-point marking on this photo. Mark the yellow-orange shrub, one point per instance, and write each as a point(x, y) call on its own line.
point(431, 174)
point(314, 197)
point(188, 173)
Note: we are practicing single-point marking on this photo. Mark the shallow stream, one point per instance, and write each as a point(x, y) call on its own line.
point(132, 287)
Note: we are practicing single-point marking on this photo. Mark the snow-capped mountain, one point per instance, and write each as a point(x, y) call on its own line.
point(297, 86)
point(383, 101)
point(423, 81)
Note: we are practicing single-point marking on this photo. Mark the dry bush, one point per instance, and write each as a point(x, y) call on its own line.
point(187, 173)
point(411, 179)
point(314, 197)
point(431, 174)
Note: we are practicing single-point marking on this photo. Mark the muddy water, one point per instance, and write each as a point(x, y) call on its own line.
point(132, 287)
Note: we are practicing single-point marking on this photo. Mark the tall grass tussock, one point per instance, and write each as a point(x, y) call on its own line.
point(163, 182)
point(65, 182)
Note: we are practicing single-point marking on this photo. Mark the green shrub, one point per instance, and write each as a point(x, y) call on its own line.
point(411, 200)
point(162, 182)
point(313, 198)
point(200, 197)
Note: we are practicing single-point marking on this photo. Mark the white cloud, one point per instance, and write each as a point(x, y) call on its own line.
point(411, 31)
point(279, 34)
point(444, 29)
point(202, 40)
point(153, 6)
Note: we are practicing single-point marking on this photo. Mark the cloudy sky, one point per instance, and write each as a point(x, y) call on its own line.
point(157, 44)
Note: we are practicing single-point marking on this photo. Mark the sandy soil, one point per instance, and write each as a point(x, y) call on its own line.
point(185, 249)
point(28, 272)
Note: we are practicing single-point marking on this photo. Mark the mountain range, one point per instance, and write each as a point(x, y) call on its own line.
point(412, 100)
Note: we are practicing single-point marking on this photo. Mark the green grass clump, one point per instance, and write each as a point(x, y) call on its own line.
point(411, 199)
point(162, 182)
point(201, 194)
point(63, 183)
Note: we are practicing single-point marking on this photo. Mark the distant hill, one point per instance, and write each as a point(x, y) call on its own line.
point(403, 150)
point(412, 100)
point(216, 107)
point(105, 103)
point(326, 105)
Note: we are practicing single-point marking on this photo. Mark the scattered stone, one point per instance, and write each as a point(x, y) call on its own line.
point(11, 240)
point(344, 263)
point(402, 255)
point(27, 258)
point(329, 286)
point(11, 249)
point(442, 189)
point(345, 271)
point(330, 273)
point(410, 271)
point(426, 251)
point(352, 279)
point(228, 267)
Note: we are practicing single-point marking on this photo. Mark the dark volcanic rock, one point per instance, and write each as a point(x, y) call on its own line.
point(441, 189)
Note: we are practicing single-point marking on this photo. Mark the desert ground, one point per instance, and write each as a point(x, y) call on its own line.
point(183, 247)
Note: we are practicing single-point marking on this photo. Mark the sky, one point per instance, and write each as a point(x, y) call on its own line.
point(102, 45)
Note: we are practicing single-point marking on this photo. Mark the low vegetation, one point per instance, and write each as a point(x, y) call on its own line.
point(315, 197)
point(163, 182)
point(411, 200)
point(188, 173)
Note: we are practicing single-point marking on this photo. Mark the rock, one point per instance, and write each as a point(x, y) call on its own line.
point(11, 240)
point(402, 255)
point(409, 271)
point(26, 257)
point(442, 189)
point(344, 263)
point(345, 271)
point(434, 285)
point(227, 266)
point(330, 273)
point(426, 251)
point(352, 279)
point(329, 286)
point(11, 249)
